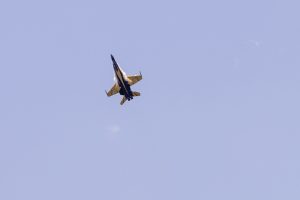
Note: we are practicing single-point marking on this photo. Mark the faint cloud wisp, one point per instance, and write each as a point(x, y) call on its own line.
point(114, 129)
point(255, 43)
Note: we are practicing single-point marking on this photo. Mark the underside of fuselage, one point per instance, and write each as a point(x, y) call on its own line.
point(126, 92)
point(124, 86)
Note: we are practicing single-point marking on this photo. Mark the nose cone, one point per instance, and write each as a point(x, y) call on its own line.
point(115, 65)
point(113, 59)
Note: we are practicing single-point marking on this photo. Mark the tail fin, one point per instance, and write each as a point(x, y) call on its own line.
point(123, 100)
point(136, 94)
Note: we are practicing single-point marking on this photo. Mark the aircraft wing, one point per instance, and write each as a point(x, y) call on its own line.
point(134, 79)
point(114, 90)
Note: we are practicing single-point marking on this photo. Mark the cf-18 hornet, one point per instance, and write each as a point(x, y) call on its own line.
point(123, 83)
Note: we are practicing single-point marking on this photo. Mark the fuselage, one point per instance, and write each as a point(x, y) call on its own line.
point(122, 80)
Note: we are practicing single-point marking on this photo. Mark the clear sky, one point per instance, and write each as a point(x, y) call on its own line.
point(218, 117)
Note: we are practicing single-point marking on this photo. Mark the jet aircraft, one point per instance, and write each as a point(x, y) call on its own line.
point(123, 83)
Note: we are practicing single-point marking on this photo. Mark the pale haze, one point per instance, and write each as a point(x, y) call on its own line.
point(218, 117)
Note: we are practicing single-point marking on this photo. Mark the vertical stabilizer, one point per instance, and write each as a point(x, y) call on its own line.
point(123, 100)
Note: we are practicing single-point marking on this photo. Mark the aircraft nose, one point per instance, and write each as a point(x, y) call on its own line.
point(112, 58)
point(114, 61)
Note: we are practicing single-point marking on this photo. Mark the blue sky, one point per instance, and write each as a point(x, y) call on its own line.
point(218, 117)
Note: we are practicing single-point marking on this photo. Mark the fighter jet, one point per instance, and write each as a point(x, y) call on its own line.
point(123, 83)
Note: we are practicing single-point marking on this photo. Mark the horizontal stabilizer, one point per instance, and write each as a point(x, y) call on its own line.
point(136, 94)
